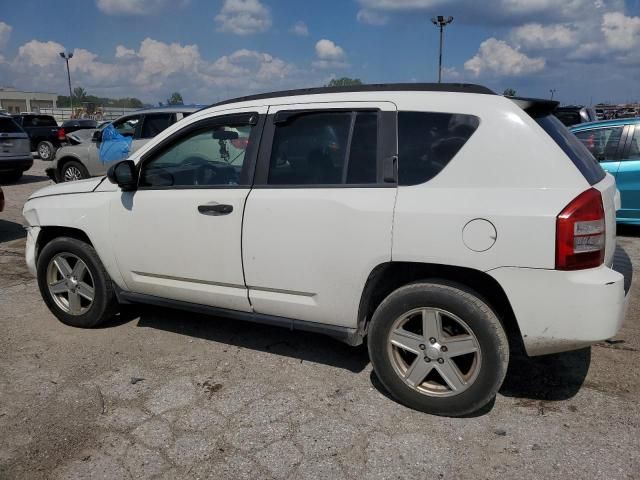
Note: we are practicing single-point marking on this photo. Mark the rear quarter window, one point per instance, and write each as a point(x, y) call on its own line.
point(428, 141)
point(7, 125)
point(573, 148)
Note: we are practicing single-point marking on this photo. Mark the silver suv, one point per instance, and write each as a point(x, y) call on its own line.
point(76, 162)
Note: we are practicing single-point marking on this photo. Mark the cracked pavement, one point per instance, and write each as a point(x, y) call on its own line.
point(166, 394)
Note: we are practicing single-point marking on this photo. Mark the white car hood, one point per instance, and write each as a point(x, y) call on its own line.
point(79, 186)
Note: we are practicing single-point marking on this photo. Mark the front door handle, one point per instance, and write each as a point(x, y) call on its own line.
point(215, 209)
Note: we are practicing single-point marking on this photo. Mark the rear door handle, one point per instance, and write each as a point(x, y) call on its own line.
point(215, 209)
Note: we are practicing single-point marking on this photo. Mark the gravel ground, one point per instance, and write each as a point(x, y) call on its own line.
point(176, 395)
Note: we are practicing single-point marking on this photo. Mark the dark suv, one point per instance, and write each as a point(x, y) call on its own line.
point(44, 133)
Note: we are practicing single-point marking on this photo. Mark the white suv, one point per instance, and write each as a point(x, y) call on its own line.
point(443, 223)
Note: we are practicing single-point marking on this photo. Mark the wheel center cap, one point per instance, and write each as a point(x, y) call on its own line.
point(433, 352)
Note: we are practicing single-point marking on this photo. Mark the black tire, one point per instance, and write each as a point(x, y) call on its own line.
point(78, 170)
point(11, 177)
point(104, 305)
point(46, 150)
point(480, 320)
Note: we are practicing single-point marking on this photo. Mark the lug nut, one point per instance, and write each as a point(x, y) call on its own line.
point(441, 360)
point(427, 359)
point(444, 349)
point(432, 340)
point(422, 346)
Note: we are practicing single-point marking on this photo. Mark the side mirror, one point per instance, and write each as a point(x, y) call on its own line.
point(124, 175)
point(97, 136)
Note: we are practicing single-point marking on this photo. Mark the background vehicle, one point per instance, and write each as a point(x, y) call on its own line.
point(75, 162)
point(44, 134)
point(572, 115)
point(370, 211)
point(616, 145)
point(15, 154)
point(82, 124)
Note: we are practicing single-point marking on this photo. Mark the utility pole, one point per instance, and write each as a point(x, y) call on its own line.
point(67, 57)
point(553, 91)
point(441, 22)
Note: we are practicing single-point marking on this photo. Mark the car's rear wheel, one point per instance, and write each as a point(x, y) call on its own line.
point(46, 150)
point(439, 348)
point(74, 284)
point(72, 171)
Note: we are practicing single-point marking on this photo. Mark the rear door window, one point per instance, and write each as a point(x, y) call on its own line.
point(573, 148)
point(39, 121)
point(428, 141)
point(325, 148)
point(634, 149)
point(601, 142)
point(155, 123)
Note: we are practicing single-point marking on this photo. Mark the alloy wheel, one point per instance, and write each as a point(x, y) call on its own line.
point(72, 173)
point(70, 283)
point(434, 352)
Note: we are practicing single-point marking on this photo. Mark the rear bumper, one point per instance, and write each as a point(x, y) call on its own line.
point(559, 311)
point(14, 164)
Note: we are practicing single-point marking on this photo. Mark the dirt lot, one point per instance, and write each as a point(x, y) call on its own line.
point(177, 395)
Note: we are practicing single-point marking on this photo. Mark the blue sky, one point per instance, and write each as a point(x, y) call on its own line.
point(209, 50)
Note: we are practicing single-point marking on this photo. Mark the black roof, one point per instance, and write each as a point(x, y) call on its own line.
point(381, 87)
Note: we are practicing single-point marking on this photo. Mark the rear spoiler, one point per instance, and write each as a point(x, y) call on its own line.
point(536, 107)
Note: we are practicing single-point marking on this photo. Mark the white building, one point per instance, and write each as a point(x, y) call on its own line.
point(15, 101)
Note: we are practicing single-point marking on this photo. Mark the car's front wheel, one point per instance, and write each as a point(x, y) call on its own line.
point(72, 171)
point(74, 284)
point(46, 150)
point(439, 348)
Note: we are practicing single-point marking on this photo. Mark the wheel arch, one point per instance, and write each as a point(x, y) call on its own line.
point(64, 160)
point(389, 276)
point(48, 233)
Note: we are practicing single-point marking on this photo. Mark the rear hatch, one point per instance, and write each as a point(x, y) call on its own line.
point(541, 112)
point(14, 142)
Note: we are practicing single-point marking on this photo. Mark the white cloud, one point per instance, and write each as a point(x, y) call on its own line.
point(300, 29)
point(535, 35)
point(371, 17)
point(329, 55)
point(496, 57)
point(5, 33)
point(621, 32)
point(243, 17)
point(124, 52)
point(138, 7)
point(41, 54)
point(152, 71)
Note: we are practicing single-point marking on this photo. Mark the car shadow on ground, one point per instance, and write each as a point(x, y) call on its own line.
point(547, 378)
point(628, 230)
point(25, 179)
point(304, 346)
point(11, 231)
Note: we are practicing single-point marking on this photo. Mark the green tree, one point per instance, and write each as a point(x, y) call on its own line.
point(509, 92)
point(79, 94)
point(344, 82)
point(175, 99)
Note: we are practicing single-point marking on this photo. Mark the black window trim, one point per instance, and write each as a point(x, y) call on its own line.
point(387, 147)
point(254, 119)
point(625, 146)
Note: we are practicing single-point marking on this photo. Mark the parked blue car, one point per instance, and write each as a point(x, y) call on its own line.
point(616, 145)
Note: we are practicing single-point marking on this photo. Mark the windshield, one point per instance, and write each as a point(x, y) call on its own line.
point(575, 150)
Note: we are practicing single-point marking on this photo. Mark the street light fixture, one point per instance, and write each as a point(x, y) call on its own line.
point(67, 57)
point(441, 22)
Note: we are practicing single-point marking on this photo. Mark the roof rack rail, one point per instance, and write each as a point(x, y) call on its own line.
point(381, 87)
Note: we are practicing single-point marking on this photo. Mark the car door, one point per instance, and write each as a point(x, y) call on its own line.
point(628, 177)
point(178, 236)
point(604, 145)
point(319, 217)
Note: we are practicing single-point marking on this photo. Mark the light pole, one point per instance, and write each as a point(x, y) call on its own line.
point(553, 92)
point(441, 21)
point(67, 57)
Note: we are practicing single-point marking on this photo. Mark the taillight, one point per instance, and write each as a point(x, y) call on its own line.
point(61, 134)
point(580, 233)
